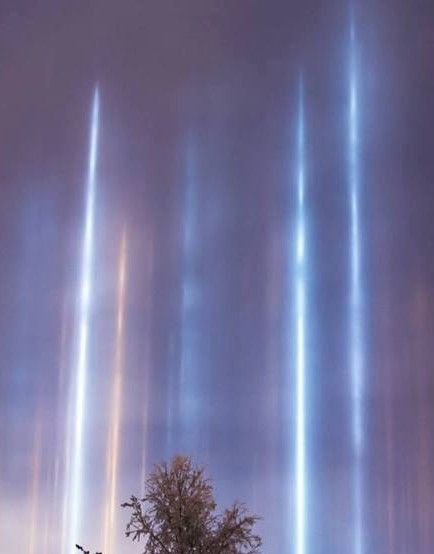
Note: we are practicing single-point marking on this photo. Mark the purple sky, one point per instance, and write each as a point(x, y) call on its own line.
point(196, 164)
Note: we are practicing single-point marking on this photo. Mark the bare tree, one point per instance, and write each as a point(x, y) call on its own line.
point(178, 515)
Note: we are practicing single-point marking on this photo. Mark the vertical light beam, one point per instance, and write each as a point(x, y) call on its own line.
point(112, 457)
point(356, 352)
point(59, 463)
point(148, 280)
point(300, 330)
point(78, 419)
point(189, 396)
point(36, 469)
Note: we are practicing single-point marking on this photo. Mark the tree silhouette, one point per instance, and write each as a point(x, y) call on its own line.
point(178, 515)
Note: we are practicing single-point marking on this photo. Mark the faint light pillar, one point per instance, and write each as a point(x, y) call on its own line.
point(113, 442)
point(189, 399)
point(300, 337)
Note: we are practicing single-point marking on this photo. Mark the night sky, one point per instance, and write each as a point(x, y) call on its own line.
point(216, 239)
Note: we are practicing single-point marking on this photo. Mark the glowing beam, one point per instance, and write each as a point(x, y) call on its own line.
point(300, 362)
point(112, 457)
point(36, 468)
point(183, 386)
point(59, 467)
point(356, 350)
point(188, 365)
point(78, 419)
point(147, 340)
